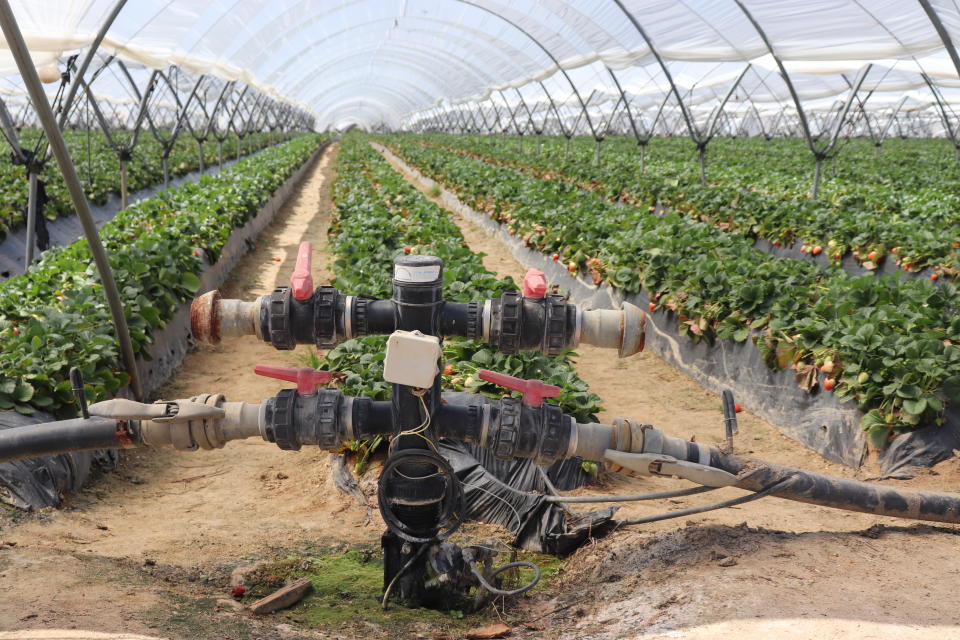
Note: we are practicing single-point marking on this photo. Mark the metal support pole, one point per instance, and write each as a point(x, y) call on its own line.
point(123, 184)
point(17, 46)
point(165, 160)
point(702, 157)
point(942, 32)
point(31, 219)
point(817, 172)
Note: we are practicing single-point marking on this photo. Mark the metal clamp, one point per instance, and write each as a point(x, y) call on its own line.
point(661, 465)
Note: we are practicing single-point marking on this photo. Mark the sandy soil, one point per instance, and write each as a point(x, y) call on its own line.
point(184, 516)
point(147, 550)
point(802, 570)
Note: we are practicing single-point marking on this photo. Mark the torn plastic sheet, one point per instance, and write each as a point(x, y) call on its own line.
point(44, 482)
point(537, 525)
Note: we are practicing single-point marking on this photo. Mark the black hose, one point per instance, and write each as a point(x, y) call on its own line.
point(51, 438)
point(452, 502)
point(840, 493)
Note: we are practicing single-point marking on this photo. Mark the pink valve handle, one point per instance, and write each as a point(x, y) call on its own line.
point(307, 379)
point(534, 284)
point(301, 282)
point(534, 391)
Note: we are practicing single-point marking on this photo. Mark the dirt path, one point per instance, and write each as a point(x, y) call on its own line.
point(169, 518)
point(804, 571)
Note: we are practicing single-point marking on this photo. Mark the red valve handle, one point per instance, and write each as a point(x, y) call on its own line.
point(307, 379)
point(301, 282)
point(534, 391)
point(534, 284)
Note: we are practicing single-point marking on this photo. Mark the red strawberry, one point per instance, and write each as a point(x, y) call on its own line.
point(448, 370)
point(934, 276)
point(817, 250)
point(238, 591)
point(956, 244)
point(555, 257)
point(572, 267)
point(829, 384)
point(653, 307)
point(278, 259)
point(872, 255)
point(737, 408)
point(407, 249)
point(15, 331)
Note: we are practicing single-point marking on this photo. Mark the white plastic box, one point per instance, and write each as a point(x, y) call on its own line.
point(412, 359)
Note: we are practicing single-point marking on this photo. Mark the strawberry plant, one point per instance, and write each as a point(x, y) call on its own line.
point(99, 170)
point(55, 316)
point(905, 333)
point(379, 216)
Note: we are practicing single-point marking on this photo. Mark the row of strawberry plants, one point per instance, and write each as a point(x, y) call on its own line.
point(55, 316)
point(891, 345)
point(884, 212)
point(379, 216)
point(99, 170)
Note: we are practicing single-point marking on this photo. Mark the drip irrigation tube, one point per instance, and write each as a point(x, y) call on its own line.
point(510, 565)
point(732, 502)
point(660, 495)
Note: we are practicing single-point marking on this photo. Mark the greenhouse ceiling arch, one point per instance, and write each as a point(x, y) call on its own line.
point(463, 50)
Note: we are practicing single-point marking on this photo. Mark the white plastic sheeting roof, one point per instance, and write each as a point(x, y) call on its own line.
point(378, 61)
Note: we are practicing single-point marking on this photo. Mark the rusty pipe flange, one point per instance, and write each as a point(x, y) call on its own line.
point(633, 330)
point(213, 318)
point(205, 317)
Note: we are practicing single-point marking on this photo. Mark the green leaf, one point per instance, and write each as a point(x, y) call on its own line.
point(190, 281)
point(916, 407)
point(482, 357)
point(23, 392)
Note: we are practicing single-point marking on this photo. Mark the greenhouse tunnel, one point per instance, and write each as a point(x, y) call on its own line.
point(761, 194)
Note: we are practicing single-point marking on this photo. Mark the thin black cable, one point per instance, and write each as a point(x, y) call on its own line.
point(552, 490)
point(403, 570)
point(716, 505)
point(510, 565)
point(660, 495)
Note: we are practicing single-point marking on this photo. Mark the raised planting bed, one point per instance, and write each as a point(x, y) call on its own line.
point(55, 316)
point(893, 211)
point(67, 227)
point(43, 482)
point(741, 359)
point(99, 170)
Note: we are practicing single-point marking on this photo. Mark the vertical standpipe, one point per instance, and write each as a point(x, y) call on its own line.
point(416, 501)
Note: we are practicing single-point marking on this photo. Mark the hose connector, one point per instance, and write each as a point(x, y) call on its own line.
point(623, 329)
